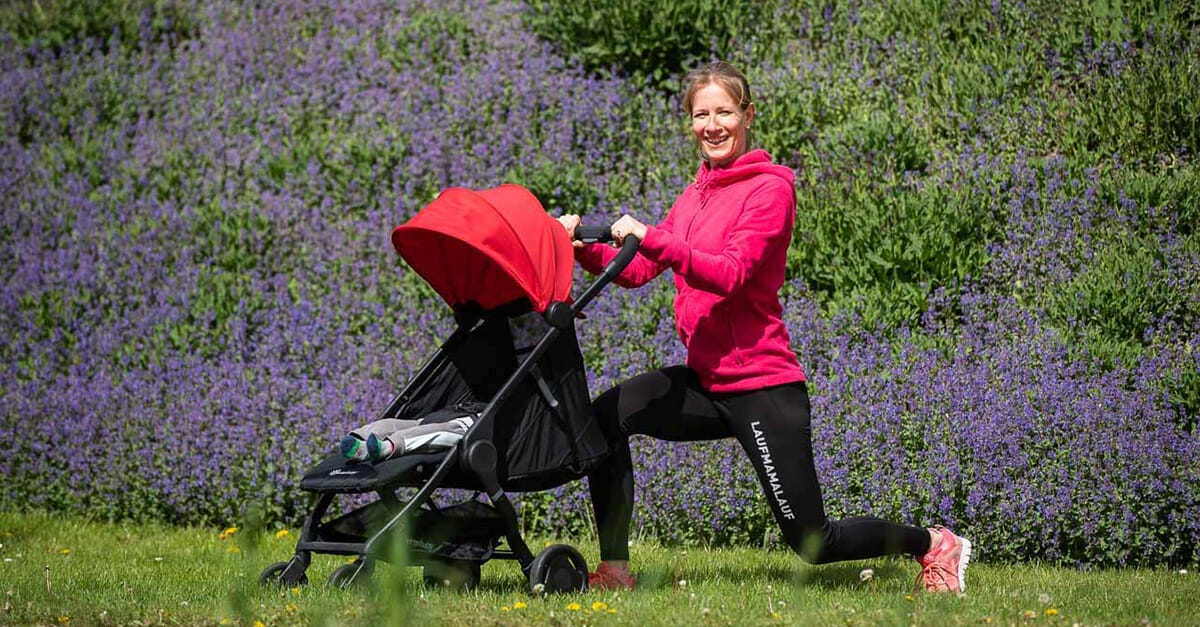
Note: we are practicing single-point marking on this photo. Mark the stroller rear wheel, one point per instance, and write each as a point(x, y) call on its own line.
point(559, 568)
point(455, 574)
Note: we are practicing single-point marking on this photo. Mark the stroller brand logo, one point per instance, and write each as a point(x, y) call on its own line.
point(769, 469)
point(339, 471)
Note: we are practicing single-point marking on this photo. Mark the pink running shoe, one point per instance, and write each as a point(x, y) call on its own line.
point(944, 569)
point(608, 577)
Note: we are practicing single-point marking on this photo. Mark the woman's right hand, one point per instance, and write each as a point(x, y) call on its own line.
point(570, 221)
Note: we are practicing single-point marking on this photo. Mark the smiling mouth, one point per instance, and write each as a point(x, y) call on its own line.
point(716, 142)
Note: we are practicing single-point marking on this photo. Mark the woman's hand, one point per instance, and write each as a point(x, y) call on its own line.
point(627, 225)
point(570, 221)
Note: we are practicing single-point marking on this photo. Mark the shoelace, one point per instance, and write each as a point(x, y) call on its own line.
point(935, 574)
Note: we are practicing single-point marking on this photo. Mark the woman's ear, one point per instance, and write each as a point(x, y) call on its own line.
point(749, 114)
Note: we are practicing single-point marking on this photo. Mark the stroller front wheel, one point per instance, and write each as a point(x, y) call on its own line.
point(559, 568)
point(351, 575)
point(277, 575)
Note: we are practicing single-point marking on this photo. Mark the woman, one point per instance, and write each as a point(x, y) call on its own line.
point(726, 239)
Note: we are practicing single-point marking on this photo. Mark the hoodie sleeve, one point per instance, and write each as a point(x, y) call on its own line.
point(640, 271)
point(764, 224)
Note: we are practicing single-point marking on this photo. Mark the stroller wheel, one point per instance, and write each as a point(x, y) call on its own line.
point(351, 575)
point(559, 568)
point(276, 575)
point(455, 574)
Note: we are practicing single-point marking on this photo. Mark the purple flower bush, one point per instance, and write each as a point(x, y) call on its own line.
point(199, 295)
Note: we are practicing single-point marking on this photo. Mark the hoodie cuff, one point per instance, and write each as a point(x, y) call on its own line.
point(661, 246)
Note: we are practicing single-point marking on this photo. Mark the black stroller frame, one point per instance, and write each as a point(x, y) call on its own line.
point(469, 532)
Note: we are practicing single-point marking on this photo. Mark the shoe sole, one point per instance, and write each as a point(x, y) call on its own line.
point(963, 560)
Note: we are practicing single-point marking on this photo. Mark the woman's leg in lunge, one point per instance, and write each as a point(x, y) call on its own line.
point(774, 427)
point(667, 404)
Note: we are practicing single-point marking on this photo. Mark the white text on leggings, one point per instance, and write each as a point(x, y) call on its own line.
point(769, 468)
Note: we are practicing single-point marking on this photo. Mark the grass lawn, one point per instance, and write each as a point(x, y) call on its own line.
point(55, 571)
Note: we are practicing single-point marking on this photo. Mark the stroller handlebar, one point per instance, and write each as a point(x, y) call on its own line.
point(594, 234)
point(603, 234)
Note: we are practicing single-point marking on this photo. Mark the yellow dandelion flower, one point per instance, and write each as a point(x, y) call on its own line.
point(506, 609)
point(1029, 614)
point(296, 591)
point(776, 615)
point(519, 605)
point(65, 552)
point(1050, 611)
point(909, 597)
point(259, 623)
point(574, 607)
point(64, 619)
point(282, 533)
point(290, 608)
point(599, 606)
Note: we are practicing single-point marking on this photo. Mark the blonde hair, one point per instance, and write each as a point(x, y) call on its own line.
point(716, 73)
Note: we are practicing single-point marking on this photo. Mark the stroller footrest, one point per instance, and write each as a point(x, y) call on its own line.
point(340, 475)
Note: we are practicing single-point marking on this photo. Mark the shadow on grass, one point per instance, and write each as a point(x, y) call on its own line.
point(505, 577)
point(825, 577)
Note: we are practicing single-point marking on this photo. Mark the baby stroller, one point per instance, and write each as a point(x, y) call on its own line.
point(496, 258)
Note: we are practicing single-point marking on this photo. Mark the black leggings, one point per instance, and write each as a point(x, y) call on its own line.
point(772, 425)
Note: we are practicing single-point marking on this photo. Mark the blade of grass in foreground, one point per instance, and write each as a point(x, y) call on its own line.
point(79, 572)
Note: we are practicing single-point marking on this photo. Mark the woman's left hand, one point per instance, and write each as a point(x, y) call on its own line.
point(627, 225)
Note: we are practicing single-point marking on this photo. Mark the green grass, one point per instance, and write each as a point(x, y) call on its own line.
point(55, 571)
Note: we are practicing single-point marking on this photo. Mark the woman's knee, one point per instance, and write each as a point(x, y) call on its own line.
point(811, 541)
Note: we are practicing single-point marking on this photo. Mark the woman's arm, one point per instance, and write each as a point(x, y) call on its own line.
point(766, 222)
point(640, 270)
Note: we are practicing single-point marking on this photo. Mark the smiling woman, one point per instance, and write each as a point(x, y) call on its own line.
point(726, 240)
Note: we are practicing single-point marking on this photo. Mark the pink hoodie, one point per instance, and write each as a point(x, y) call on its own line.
point(726, 239)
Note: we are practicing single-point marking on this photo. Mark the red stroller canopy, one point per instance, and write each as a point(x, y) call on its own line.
point(492, 246)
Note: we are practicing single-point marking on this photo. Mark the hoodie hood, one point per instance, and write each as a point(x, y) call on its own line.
point(752, 163)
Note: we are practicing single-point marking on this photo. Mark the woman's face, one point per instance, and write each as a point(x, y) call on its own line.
point(720, 126)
